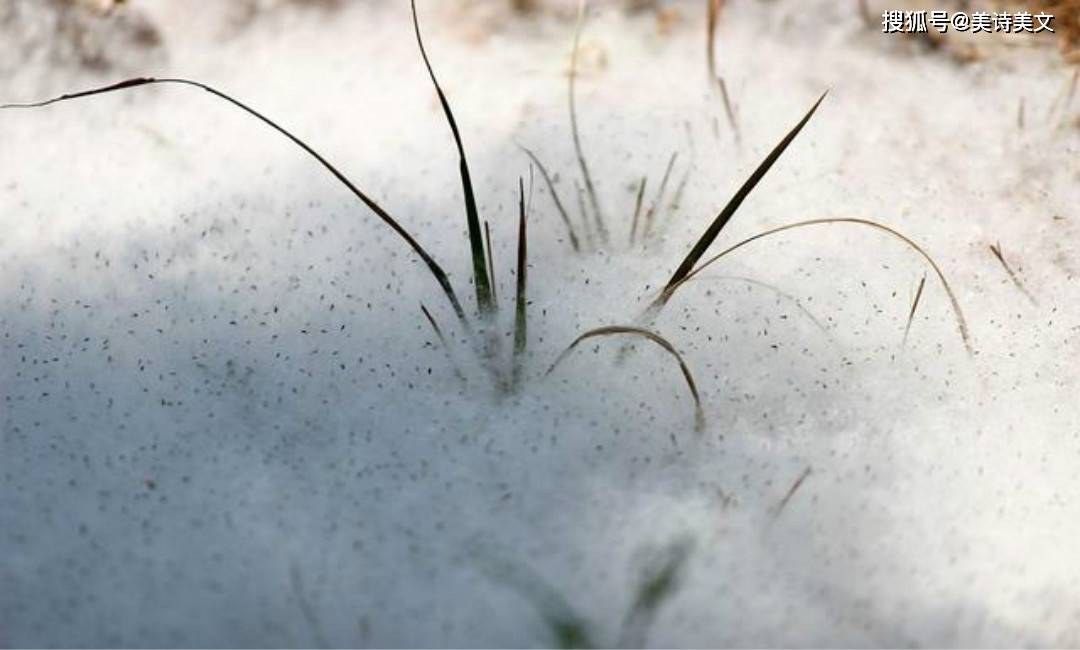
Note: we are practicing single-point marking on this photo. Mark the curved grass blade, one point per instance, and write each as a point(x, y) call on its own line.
point(574, 243)
point(433, 266)
point(612, 330)
point(779, 293)
point(732, 206)
point(520, 315)
point(442, 339)
point(472, 217)
point(590, 189)
point(961, 322)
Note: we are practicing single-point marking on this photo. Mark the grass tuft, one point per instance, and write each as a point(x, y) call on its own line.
point(613, 330)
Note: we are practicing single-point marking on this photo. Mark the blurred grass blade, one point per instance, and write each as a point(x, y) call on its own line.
point(480, 277)
point(442, 340)
point(637, 209)
point(520, 316)
point(590, 189)
point(584, 213)
point(650, 216)
point(574, 243)
point(613, 330)
point(659, 583)
point(711, 23)
point(732, 206)
point(958, 313)
point(432, 265)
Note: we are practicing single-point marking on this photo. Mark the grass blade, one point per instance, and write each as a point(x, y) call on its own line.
point(713, 19)
point(637, 209)
point(612, 330)
point(491, 265)
point(655, 207)
point(996, 250)
point(520, 316)
point(480, 277)
point(732, 206)
point(436, 270)
point(958, 313)
point(658, 584)
point(442, 339)
point(590, 189)
point(779, 508)
point(911, 314)
point(574, 243)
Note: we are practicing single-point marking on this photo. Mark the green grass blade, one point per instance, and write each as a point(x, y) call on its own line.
point(436, 270)
point(574, 243)
point(520, 315)
point(590, 189)
point(958, 313)
point(472, 217)
point(612, 330)
point(658, 584)
point(732, 206)
point(491, 265)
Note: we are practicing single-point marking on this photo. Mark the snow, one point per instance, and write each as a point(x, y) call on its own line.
point(225, 421)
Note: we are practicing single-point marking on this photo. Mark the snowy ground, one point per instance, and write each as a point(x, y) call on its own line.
point(226, 423)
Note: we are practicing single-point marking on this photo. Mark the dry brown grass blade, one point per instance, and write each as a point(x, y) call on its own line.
point(574, 243)
point(961, 322)
point(791, 492)
point(613, 330)
point(996, 250)
point(491, 265)
point(590, 189)
point(650, 216)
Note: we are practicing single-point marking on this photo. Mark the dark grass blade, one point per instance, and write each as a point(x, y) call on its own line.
point(650, 216)
point(590, 189)
point(520, 315)
point(472, 217)
point(442, 340)
point(729, 109)
point(574, 243)
point(637, 209)
point(958, 313)
point(491, 265)
point(432, 265)
point(914, 307)
point(996, 250)
point(613, 330)
point(732, 206)
point(658, 584)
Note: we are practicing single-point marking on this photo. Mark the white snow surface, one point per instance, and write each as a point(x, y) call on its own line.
point(225, 421)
